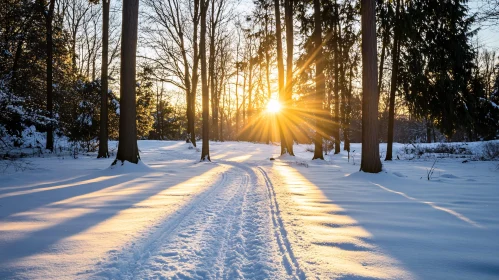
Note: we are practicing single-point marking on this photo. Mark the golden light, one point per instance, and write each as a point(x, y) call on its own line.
point(273, 106)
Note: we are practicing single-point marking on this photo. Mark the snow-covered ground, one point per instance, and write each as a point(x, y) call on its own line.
point(244, 216)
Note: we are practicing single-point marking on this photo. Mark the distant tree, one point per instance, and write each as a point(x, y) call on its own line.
point(127, 147)
point(370, 161)
point(145, 102)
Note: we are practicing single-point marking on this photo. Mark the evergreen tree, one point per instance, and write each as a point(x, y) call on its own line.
point(145, 103)
point(439, 63)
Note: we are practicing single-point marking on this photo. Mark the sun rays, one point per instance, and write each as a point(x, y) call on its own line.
point(264, 124)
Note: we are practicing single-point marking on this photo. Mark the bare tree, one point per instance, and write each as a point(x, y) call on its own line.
point(174, 39)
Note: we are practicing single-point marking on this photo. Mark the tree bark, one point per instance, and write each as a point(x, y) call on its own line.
point(103, 135)
point(393, 87)
point(195, 74)
point(205, 152)
point(288, 16)
point(213, 91)
point(348, 110)
point(386, 38)
point(280, 71)
point(336, 119)
point(127, 147)
point(320, 86)
point(370, 161)
point(49, 16)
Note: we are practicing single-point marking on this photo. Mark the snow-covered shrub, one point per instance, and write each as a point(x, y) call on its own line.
point(17, 123)
point(81, 118)
point(431, 150)
point(452, 149)
point(490, 151)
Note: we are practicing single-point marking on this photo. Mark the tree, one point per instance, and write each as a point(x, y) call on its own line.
point(173, 36)
point(205, 151)
point(103, 134)
point(370, 161)
point(49, 17)
point(288, 17)
point(145, 102)
point(127, 147)
point(393, 87)
point(320, 85)
point(438, 63)
point(280, 70)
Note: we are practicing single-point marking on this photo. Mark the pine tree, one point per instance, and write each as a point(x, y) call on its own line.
point(145, 103)
point(439, 63)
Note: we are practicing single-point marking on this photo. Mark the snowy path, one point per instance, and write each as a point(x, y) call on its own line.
point(225, 233)
point(246, 217)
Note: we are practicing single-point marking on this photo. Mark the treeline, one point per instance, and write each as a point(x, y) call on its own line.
point(433, 83)
point(52, 78)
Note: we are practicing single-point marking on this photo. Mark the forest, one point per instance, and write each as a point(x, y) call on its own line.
point(249, 139)
point(210, 69)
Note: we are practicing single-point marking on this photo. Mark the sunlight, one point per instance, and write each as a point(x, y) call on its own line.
point(273, 106)
point(336, 240)
point(126, 212)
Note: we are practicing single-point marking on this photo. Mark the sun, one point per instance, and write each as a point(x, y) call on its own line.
point(273, 106)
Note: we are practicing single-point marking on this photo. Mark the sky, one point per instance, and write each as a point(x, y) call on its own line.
point(487, 34)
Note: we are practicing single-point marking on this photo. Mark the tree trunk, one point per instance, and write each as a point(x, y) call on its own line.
point(287, 122)
point(393, 87)
point(336, 119)
point(103, 135)
point(49, 15)
point(205, 152)
point(370, 161)
point(213, 91)
point(127, 147)
point(237, 88)
point(348, 110)
point(320, 86)
point(191, 104)
point(280, 71)
point(386, 37)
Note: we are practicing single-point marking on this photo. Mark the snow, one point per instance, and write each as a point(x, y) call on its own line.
point(491, 102)
point(245, 216)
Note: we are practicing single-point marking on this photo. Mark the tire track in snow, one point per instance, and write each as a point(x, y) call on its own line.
point(289, 259)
